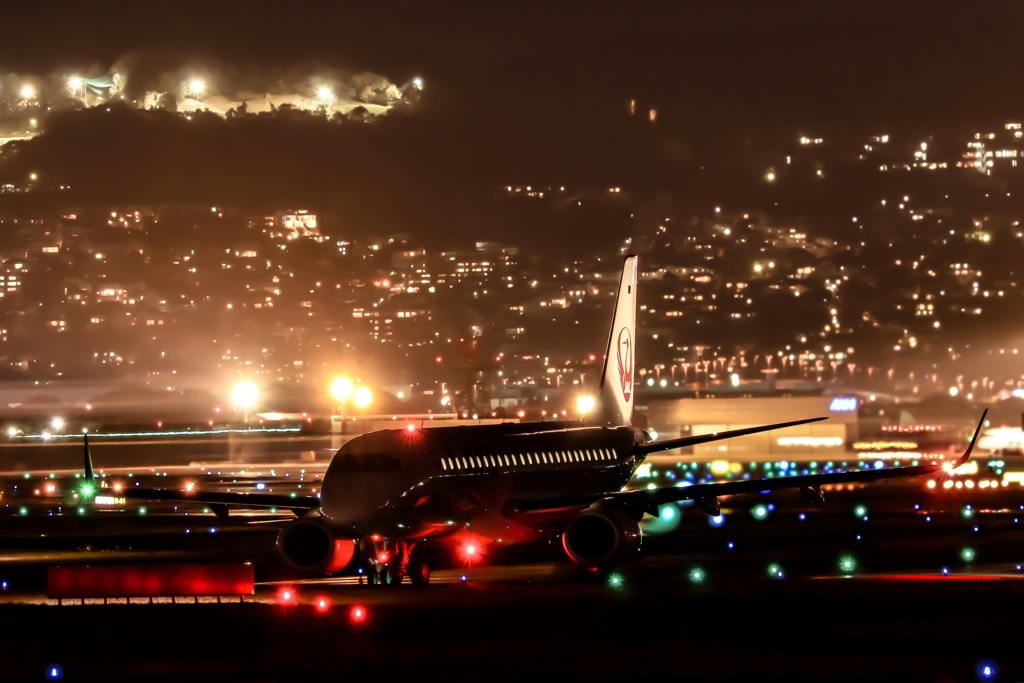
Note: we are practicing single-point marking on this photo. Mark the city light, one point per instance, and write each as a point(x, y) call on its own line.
point(28, 91)
point(76, 86)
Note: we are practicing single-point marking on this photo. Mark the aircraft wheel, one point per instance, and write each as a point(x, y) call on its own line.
point(419, 570)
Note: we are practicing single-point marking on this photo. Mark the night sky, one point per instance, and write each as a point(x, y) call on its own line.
point(795, 59)
point(518, 92)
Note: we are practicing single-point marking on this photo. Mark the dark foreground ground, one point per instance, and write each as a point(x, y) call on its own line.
point(666, 628)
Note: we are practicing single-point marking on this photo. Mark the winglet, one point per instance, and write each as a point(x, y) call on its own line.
point(974, 439)
point(89, 474)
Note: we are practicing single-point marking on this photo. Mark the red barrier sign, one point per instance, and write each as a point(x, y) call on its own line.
point(149, 581)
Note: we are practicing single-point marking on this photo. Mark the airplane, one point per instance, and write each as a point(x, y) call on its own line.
point(393, 502)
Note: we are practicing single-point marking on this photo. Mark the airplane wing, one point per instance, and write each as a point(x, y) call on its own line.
point(682, 442)
point(249, 500)
point(706, 495)
point(217, 500)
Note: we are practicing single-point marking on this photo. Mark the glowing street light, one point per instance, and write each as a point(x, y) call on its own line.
point(324, 96)
point(362, 397)
point(584, 404)
point(57, 424)
point(245, 395)
point(341, 389)
point(417, 83)
point(76, 86)
point(195, 88)
point(28, 92)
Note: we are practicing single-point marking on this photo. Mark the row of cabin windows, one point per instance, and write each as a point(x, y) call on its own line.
point(477, 462)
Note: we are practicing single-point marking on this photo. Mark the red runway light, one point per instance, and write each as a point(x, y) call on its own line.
point(357, 615)
point(383, 557)
point(287, 596)
point(322, 605)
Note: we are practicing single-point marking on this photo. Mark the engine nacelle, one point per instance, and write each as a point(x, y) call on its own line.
point(309, 545)
point(600, 536)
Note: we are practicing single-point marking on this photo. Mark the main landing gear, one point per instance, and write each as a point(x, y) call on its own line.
point(390, 566)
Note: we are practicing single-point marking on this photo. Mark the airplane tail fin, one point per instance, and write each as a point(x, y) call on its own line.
point(615, 401)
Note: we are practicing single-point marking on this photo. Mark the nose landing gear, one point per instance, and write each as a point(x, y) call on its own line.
point(388, 567)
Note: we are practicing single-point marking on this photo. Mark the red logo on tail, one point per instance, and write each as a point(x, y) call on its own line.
point(624, 355)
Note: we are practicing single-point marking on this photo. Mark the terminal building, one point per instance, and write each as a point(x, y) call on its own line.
point(830, 439)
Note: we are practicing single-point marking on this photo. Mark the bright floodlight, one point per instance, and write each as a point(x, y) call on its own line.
point(341, 389)
point(245, 394)
point(195, 88)
point(28, 92)
point(363, 397)
point(584, 404)
point(75, 84)
point(324, 94)
point(57, 424)
point(417, 83)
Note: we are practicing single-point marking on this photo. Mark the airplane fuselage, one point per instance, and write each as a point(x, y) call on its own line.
point(420, 483)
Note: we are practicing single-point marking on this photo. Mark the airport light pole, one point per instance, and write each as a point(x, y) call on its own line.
point(245, 395)
point(341, 390)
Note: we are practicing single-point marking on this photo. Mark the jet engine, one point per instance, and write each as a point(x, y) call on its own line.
point(601, 535)
point(309, 545)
